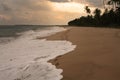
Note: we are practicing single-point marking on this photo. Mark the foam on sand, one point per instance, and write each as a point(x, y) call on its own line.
point(26, 57)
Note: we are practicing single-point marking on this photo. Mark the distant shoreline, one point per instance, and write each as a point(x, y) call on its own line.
point(116, 27)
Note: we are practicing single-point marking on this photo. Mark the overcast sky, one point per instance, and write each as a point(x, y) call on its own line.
point(43, 11)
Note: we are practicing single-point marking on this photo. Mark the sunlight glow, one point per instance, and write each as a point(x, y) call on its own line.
point(69, 7)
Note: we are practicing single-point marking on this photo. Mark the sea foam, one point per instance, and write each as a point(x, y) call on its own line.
point(26, 57)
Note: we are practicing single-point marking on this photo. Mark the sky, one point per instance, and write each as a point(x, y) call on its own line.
point(43, 12)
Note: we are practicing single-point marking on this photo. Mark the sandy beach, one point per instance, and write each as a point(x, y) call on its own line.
point(96, 57)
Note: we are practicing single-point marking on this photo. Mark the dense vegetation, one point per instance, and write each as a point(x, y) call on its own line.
point(110, 17)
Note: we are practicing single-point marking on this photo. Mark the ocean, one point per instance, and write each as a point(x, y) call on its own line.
point(24, 57)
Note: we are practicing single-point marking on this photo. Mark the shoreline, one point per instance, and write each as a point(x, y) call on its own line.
point(26, 58)
point(96, 56)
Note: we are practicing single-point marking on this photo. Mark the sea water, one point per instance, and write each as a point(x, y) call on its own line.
point(24, 57)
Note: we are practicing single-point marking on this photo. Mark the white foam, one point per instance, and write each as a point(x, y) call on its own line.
point(26, 57)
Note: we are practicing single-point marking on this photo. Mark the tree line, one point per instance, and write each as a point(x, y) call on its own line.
point(109, 18)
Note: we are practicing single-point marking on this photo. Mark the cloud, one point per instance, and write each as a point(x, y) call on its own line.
point(59, 0)
point(95, 3)
point(5, 7)
point(23, 11)
point(33, 12)
point(42, 11)
point(25, 4)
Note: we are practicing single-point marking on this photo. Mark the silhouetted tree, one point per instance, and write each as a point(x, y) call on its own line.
point(87, 9)
point(110, 17)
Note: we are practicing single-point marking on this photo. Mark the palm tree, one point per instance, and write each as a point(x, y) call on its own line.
point(87, 10)
point(115, 3)
point(97, 15)
point(97, 12)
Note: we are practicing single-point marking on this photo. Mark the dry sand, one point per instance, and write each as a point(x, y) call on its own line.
point(96, 57)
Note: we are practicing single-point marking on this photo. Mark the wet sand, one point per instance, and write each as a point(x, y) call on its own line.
point(96, 57)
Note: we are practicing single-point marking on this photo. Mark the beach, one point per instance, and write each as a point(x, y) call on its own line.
point(59, 53)
point(96, 56)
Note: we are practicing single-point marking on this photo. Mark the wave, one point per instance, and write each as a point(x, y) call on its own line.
point(26, 57)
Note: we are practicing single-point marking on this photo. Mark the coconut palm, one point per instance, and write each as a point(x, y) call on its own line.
point(115, 3)
point(87, 10)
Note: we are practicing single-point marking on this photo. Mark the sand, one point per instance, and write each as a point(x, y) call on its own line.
point(96, 57)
